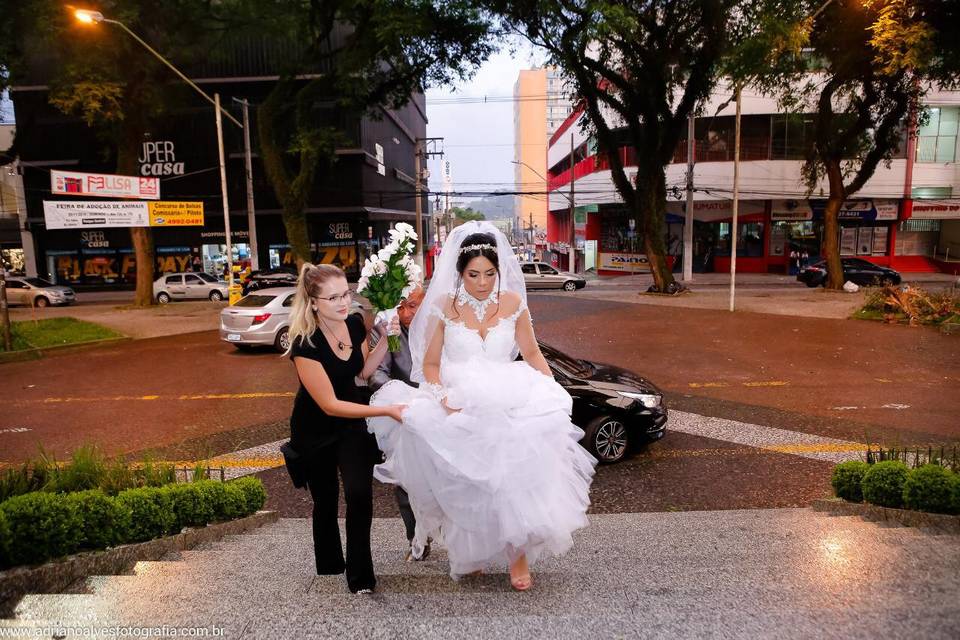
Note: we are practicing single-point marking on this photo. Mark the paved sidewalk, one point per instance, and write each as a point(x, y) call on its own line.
point(785, 573)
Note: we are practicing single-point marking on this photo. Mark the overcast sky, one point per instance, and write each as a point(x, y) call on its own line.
point(478, 138)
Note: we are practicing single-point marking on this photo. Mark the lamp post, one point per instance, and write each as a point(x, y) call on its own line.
point(95, 17)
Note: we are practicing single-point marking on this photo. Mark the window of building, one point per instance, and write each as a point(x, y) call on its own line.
point(792, 136)
point(749, 239)
point(937, 139)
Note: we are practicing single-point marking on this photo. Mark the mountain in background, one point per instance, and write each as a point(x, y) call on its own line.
point(494, 207)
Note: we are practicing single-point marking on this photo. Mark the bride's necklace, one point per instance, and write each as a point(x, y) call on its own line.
point(340, 345)
point(479, 306)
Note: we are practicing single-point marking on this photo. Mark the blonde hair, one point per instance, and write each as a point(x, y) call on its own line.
point(303, 319)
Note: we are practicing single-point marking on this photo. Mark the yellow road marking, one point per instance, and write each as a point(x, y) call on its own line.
point(768, 383)
point(204, 396)
point(707, 385)
point(883, 380)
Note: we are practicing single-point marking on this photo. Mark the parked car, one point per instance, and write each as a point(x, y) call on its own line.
point(855, 270)
point(268, 278)
point(189, 286)
point(539, 275)
point(262, 318)
point(37, 292)
point(617, 409)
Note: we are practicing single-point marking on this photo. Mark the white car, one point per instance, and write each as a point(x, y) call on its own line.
point(189, 286)
point(37, 292)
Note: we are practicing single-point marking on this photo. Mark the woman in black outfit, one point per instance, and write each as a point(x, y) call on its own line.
point(327, 428)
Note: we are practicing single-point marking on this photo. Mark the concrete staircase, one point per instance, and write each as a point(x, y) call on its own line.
point(789, 573)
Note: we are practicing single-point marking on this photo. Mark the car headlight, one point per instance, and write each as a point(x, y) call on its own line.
point(649, 400)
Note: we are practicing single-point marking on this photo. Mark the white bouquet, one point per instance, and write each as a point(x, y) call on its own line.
point(391, 275)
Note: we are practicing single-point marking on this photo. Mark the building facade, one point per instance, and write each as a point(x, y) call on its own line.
point(349, 212)
point(541, 106)
point(907, 216)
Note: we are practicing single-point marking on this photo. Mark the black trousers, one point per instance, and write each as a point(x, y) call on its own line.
point(406, 512)
point(353, 454)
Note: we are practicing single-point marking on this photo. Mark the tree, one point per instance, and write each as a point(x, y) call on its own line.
point(639, 68)
point(361, 56)
point(465, 215)
point(863, 74)
point(109, 80)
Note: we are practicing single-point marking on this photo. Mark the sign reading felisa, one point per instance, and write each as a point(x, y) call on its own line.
point(71, 183)
point(67, 214)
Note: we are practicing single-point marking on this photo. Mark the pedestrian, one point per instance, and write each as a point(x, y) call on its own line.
point(327, 432)
point(396, 366)
point(794, 261)
point(804, 259)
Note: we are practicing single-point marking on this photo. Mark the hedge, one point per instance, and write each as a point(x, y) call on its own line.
point(890, 483)
point(846, 480)
point(927, 488)
point(883, 483)
point(38, 526)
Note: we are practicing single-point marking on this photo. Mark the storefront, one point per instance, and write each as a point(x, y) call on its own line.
point(932, 232)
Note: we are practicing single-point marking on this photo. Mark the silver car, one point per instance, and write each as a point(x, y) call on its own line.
point(263, 318)
point(540, 275)
point(189, 286)
point(37, 292)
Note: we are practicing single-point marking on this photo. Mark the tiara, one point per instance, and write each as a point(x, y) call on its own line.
point(477, 247)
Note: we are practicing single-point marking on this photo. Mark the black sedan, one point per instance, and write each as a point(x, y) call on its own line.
point(855, 270)
point(267, 278)
point(617, 409)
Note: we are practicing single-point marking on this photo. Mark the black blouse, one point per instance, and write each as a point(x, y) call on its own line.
point(310, 427)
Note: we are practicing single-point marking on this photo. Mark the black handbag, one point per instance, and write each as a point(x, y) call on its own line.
point(296, 465)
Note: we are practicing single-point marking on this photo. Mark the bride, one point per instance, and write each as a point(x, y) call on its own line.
point(486, 449)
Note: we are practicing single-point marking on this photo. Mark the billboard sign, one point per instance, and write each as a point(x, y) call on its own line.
point(68, 214)
point(72, 183)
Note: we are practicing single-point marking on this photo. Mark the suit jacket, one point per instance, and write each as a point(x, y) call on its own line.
point(395, 366)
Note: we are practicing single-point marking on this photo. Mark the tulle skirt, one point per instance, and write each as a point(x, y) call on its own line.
point(502, 477)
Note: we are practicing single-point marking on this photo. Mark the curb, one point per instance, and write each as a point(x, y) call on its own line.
point(938, 522)
point(57, 575)
point(37, 353)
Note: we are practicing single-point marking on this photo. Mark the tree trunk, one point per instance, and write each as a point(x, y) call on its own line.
point(831, 227)
point(651, 197)
point(142, 237)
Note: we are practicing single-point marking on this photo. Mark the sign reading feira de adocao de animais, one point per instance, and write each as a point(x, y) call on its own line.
point(66, 214)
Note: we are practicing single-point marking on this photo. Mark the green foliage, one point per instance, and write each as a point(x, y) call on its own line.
point(255, 494)
point(105, 521)
point(883, 483)
point(15, 481)
point(928, 488)
point(152, 512)
point(201, 471)
point(191, 505)
point(914, 304)
point(226, 503)
point(955, 493)
point(42, 526)
point(467, 214)
point(117, 476)
point(51, 332)
point(157, 474)
point(85, 470)
point(4, 541)
point(846, 480)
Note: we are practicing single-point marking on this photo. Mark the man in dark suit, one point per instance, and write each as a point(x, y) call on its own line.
point(396, 366)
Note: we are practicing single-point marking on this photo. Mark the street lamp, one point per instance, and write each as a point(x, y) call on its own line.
point(95, 17)
point(571, 254)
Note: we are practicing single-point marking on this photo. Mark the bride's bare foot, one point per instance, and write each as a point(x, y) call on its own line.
point(520, 574)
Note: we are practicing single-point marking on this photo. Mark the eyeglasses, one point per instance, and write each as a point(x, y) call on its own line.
point(343, 297)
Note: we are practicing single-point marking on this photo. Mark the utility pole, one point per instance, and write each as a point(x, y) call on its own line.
point(736, 197)
point(426, 148)
point(572, 259)
point(688, 214)
point(223, 193)
point(251, 209)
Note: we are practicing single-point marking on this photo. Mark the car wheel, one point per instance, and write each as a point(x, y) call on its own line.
point(163, 297)
point(607, 439)
point(811, 284)
point(216, 296)
point(569, 285)
point(41, 302)
point(282, 341)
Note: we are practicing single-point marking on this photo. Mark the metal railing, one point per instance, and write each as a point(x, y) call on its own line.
point(944, 456)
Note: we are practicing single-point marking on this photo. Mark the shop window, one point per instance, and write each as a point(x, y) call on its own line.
point(937, 139)
point(749, 239)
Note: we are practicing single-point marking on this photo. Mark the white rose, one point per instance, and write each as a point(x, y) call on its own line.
point(380, 268)
point(362, 284)
point(367, 270)
point(385, 253)
point(407, 290)
point(396, 235)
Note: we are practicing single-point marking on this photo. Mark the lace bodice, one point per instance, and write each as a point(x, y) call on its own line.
point(461, 343)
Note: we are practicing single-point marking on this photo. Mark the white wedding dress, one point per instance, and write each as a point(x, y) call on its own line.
point(503, 476)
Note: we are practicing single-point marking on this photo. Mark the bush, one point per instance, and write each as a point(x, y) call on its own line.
point(191, 505)
point(252, 488)
point(157, 475)
point(117, 477)
point(955, 493)
point(4, 541)
point(846, 480)
point(882, 484)
point(928, 489)
point(42, 526)
point(15, 481)
point(152, 512)
point(85, 471)
point(227, 503)
point(105, 521)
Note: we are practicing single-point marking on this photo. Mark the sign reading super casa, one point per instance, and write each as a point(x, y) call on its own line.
point(63, 214)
